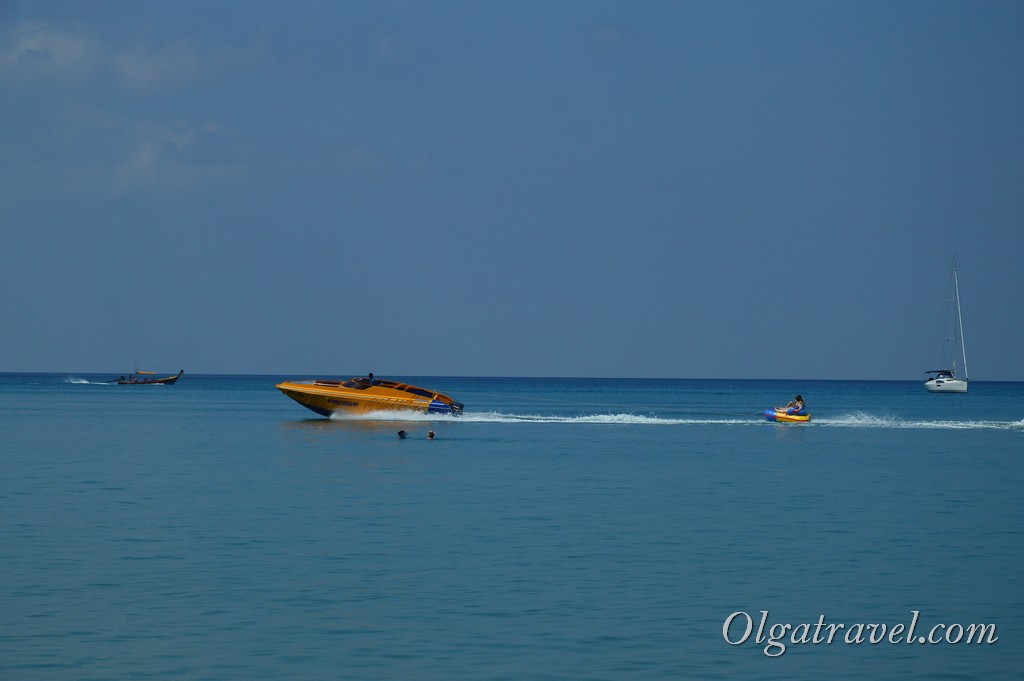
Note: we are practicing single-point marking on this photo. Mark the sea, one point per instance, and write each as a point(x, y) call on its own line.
point(560, 529)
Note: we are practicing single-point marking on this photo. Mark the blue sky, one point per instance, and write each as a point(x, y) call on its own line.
point(677, 189)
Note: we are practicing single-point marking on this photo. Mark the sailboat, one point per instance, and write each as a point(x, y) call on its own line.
point(948, 380)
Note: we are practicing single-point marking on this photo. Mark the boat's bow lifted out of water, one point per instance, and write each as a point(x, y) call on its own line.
point(366, 395)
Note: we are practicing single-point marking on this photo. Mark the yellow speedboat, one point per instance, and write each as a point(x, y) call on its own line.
point(367, 394)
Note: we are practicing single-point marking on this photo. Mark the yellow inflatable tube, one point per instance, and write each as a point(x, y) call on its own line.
point(787, 415)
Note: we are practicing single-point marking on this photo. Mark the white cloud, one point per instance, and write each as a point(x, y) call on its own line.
point(96, 143)
point(178, 64)
point(92, 152)
point(173, 64)
point(31, 52)
point(166, 159)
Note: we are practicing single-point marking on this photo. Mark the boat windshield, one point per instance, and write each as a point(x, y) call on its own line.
point(404, 387)
point(363, 384)
point(356, 385)
point(416, 391)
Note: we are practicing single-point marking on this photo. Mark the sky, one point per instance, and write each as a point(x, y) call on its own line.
point(559, 188)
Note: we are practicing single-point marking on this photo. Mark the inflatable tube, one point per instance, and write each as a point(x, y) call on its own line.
point(787, 415)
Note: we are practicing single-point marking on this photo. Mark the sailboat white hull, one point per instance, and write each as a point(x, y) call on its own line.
point(946, 385)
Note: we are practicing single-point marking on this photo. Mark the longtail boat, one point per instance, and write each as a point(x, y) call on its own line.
point(132, 380)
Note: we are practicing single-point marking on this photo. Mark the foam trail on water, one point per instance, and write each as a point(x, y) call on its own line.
point(76, 380)
point(863, 420)
point(500, 417)
point(602, 419)
point(853, 420)
point(397, 415)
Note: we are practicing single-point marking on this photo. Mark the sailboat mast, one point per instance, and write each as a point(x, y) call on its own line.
point(959, 318)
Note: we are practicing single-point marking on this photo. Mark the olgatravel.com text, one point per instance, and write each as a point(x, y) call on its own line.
point(739, 628)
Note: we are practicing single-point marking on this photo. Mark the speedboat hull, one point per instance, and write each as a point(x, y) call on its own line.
point(784, 416)
point(362, 396)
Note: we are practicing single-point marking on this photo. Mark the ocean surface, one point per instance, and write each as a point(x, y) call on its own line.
point(559, 529)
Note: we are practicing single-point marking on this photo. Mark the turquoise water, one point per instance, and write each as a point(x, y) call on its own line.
point(560, 529)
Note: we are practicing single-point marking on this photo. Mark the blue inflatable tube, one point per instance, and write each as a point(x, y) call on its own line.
point(787, 415)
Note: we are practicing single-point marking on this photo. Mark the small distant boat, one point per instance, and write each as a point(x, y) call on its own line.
point(787, 415)
point(139, 378)
point(368, 394)
point(947, 380)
